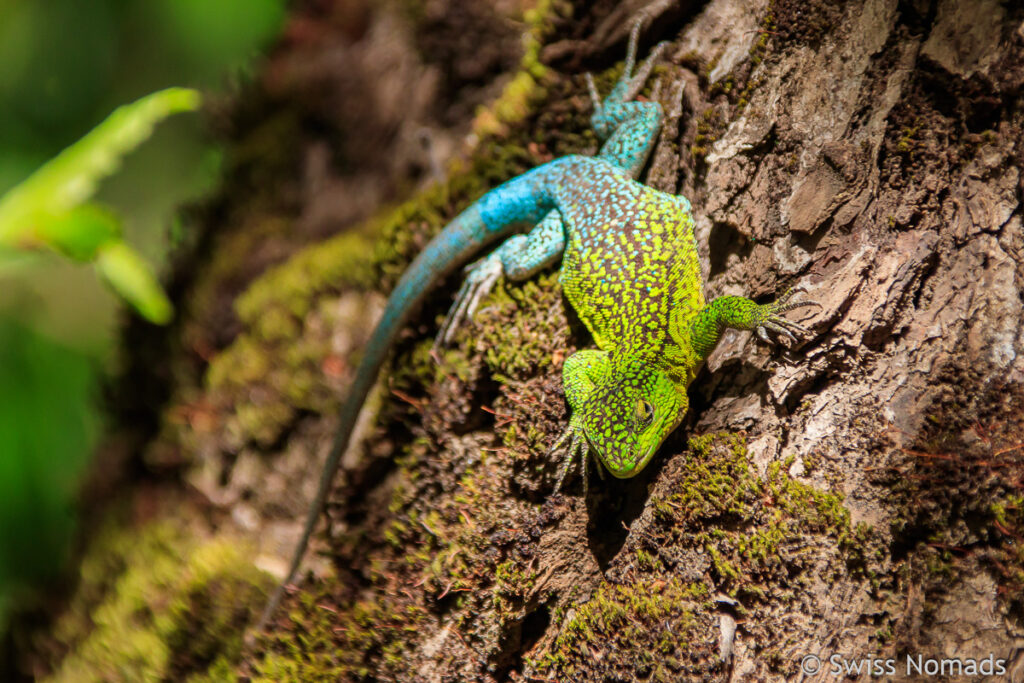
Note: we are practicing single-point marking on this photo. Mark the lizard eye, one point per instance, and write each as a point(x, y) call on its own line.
point(644, 414)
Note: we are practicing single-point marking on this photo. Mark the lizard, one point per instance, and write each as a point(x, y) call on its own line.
point(629, 267)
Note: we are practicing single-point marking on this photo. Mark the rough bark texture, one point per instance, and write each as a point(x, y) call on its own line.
point(861, 493)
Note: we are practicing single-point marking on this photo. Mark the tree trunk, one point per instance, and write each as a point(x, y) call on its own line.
point(856, 496)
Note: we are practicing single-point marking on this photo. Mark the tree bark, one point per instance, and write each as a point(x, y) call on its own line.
point(856, 496)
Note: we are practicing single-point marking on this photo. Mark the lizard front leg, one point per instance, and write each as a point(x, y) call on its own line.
point(743, 314)
point(518, 258)
point(580, 375)
point(628, 129)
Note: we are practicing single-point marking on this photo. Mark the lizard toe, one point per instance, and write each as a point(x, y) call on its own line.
point(789, 325)
point(480, 280)
point(779, 330)
point(791, 305)
point(636, 83)
point(454, 317)
point(577, 445)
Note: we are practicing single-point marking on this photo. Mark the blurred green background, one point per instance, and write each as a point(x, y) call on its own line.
point(65, 65)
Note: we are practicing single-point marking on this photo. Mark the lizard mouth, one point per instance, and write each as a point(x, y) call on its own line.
point(632, 467)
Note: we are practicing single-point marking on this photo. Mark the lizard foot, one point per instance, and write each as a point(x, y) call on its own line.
point(636, 83)
point(577, 444)
point(633, 83)
point(480, 280)
point(771, 318)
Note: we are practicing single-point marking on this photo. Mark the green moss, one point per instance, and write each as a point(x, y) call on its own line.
point(709, 127)
point(323, 643)
point(908, 137)
point(513, 584)
point(525, 89)
point(157, 604)
point(748, 524)
point(1008, 512)
point(1008, 557)
point(722, 566)
point(292, 288)
point(648, 629)
point(646, 561)
point(517, 324)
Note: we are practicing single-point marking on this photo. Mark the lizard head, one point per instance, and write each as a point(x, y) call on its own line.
point(628, 415)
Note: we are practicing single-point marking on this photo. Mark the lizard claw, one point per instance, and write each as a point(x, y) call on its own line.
point(480, 279)
point(783, 303)
point(781, 326)
point(636, 83)
point(594, 98)
point(577, 444)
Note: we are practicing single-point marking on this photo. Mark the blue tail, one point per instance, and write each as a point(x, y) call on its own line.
point(524, 199)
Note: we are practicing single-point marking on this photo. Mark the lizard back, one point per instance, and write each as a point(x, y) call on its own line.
point(630, 267)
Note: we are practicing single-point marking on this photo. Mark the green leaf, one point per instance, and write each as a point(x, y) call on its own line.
point(79, 234)
point(129, 275)
point(46, 209)
point(71, 177)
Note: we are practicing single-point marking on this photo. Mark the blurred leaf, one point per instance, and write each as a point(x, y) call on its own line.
point(71, 177)
point(131, 278)
point(79, 234)
point(45, 209)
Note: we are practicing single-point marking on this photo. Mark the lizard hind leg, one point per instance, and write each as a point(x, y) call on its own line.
point(518, 258)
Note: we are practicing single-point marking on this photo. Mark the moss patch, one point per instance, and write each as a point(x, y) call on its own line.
point(158, 604)
point(651, 629)
point(323, 644)
point(754, 529)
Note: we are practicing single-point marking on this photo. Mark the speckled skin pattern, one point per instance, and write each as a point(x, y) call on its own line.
point(629, 268)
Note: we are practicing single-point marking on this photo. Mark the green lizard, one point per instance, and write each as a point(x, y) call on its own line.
point(629, 268)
